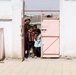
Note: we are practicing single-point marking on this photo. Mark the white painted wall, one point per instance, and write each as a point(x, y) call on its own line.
point(6, 13)
point(68, 27)
point(11, 9)
point(5, 9)
point(17, 21)
point(7, 38)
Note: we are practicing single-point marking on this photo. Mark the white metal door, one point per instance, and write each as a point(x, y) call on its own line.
point(50, 37)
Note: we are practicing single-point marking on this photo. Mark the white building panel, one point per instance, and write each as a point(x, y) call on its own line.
point(68, 27)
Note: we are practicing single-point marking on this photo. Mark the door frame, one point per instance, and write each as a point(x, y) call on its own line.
point(22, 31)
point(2, 43)
point(23, 11)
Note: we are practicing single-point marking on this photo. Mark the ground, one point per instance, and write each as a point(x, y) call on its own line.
point(38, 67)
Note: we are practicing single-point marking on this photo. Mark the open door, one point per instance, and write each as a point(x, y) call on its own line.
point(23, 32)
point(50, 37)
point(1, 44)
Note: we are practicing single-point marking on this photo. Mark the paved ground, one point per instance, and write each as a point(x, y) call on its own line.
point(38, 67)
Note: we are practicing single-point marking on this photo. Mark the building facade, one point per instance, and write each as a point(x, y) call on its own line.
point(11, 20)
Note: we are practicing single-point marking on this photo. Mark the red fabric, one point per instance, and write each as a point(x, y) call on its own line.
point(32, 36)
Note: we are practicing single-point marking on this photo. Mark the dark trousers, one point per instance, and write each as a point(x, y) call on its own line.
point(26, 49)
point(37, 51)
point(29, 45)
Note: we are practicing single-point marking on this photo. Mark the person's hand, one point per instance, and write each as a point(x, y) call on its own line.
point(22, 35)
point(28, 30)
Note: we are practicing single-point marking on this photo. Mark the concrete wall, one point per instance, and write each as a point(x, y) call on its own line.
point(11, 10)
point(16, 23)
point(7, 38)
point(5, 9)
point(6, 14)
point(67, 27)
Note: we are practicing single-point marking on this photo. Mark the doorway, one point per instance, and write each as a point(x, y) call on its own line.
point(38, 16)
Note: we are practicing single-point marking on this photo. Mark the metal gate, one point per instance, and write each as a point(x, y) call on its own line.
point(50, 37)
point(1, 43)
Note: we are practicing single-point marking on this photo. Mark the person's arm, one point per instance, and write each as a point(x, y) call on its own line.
point(35, 37)
point(26, 36)
point(38, 39)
